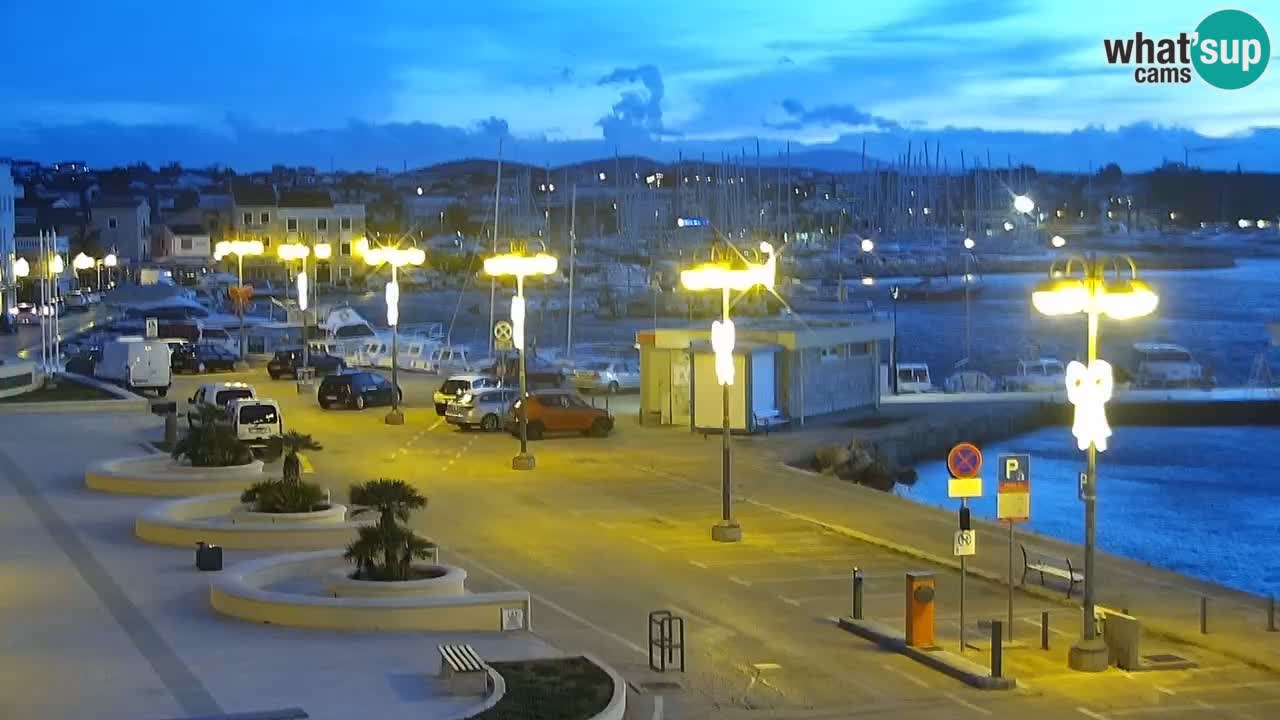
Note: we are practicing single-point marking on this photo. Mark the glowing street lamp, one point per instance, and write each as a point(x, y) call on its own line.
point(968, 243)
point(521, 265)
point(1058, 241)
point(397, 258)
point(723, 277)
point(21, 268)
point(1023, 204)
point(239, 248)
point(868, 245)
point(1089, 387)
point(290, 252)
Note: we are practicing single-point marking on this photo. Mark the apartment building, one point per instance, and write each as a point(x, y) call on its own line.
point(123, 225)
point(310, 217)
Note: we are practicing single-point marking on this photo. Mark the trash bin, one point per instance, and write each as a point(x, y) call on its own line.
point(208, 557)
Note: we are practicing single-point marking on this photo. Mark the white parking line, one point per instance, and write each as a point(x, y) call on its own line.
point(696, 563)
point(740, 581)
point(436, 424)
point(1036, 622)
point(1089, 713)
point(961, 701)
point(649, 543)
point(789, 601)
point(905, 674)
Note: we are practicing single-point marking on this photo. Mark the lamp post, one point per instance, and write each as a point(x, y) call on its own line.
point(82, 262)
point(239, 248)
point(1088, 388)
point(723, 277)
point(110, 262)
point(395, 257)
point(895, 293)
point(54, 267)
point(289, 252)
point(520, 265)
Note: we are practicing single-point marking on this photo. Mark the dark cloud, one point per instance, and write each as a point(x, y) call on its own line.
point(825, 116)
point(637, 115)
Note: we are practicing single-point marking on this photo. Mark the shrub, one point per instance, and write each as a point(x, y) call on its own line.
point(385, 552)
point(284, 497)
point(211, 443)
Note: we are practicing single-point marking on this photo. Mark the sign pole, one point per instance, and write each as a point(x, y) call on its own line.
point(1009, 626)
point(964, 503)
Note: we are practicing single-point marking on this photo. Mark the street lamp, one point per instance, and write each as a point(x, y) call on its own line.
point(868, 245)
point(520, 265)
point(110, 262)
point(1023, 204)
point(82, 262)
point(395, 257)
point(1057, 241)
point(721, 276)
point(290, 252)
point(239, 248)
point(968, 243)
point(1088, 388)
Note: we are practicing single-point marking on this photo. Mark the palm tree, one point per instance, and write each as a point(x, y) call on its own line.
point(211, 442)
point(392, 499)
point(294, 442)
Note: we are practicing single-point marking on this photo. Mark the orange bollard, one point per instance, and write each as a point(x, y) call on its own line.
point(920, 593)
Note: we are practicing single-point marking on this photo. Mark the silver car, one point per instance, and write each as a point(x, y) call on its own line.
point(482, 408)
point(609, 376)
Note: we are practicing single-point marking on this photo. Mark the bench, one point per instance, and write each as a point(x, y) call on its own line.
point(769, 419)
point(1044, 563)
point(462, 670)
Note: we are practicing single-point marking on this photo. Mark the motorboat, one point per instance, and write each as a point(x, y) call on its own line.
point(967, 381)
point(912, 377)
point(1165, 365)
point(947, 287)
point(1039, 374)
point(347, 332)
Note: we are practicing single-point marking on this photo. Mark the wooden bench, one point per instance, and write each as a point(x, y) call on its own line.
point(462, 670)
point(1044, 563)
point(770, 419)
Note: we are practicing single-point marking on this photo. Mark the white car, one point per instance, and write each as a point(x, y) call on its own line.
point(256, 421)
point(459, 385)
point(609, 376)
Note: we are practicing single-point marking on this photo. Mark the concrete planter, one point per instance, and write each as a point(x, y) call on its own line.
point(333, 514)
point(160, 475)
point(212, 518)
point(451, 583)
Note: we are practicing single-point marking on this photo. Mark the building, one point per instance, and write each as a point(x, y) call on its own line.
point(8, 204)
point(309, 217)
point(784, 369)
point(123, 226)
point(185, 244)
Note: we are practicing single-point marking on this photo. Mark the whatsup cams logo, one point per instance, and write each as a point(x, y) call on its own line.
point(1229, 50)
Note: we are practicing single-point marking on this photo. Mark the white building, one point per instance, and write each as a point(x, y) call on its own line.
point(8, 196)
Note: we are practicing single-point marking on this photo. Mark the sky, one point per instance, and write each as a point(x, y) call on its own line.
point(395, 83)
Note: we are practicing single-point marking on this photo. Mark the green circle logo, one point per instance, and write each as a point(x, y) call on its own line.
point(1232, 49)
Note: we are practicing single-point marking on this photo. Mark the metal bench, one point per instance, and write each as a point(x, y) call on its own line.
point(769, 419)
point(462, 670)
point(1041, 562)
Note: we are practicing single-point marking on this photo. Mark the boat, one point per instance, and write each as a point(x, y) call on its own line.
point(347, 333)
point(969, 381)
point(941, 288)
point(1037, 375)
point(913, 377)
point(1165, 365)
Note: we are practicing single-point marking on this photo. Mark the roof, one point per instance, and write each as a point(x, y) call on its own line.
point(118, 201)
point(305, 199)
point(253, 194)
point(188, 229)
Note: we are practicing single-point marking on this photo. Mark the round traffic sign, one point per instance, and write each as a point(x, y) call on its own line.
point(964, 460)
point(502, 330)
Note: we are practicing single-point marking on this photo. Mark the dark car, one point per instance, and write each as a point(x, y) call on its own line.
point(202, 358)
point(82, 363)
point(355, 389)
point(287, 362)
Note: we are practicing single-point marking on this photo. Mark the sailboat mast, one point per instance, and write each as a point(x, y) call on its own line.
point(493, 281)
point(573, 236)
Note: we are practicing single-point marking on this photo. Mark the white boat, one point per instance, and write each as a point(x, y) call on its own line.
point(449, 359)
point(1046, 373)
point(1165, 365)
point(912, 378)
point(347, 333)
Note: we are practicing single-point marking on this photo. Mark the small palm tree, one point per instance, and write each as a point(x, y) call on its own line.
point(211, 442)
point(392, 499)
point(386, 554)
point(292, 443)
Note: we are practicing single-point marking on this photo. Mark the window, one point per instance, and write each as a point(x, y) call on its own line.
point(344, 272)
point(265, 218)
point(247, 219)
point(344, 249)
point(111, 222)
point(345, 223)
point(322, 224)
point(258, 415)
point(291, 224)
point(185, 244)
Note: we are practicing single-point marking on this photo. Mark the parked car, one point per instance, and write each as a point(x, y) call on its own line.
point(256, 421)
point(287, 362)
point(77, 302)
point(218, 395)
point(27, 314)
point(607, 375)
point(483, 408)
point(552, 411)
point(135, 363)
point(202, 358)
point(356, 389)
point(459, 385)
point(83, 362)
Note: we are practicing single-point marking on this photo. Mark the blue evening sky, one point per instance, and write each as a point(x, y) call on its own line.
point(381, 82)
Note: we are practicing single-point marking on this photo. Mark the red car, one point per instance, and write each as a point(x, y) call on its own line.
point(552, 411)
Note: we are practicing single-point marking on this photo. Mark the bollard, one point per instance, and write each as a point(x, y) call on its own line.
point(1204, 615)
point(997, 649)
point(1044, 630)
point(1271, 614)
point(170, 429)
point(857, 593)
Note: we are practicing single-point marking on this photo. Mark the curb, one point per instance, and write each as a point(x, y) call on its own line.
point(617, 707)
point(948, 663)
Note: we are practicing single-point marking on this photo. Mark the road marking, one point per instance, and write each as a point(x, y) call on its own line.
point(1036, 623)
point(740, 581)
point(554, 606)
point(1165, 690)
point(649, 543)
point(961, 701)
point(657, 707)
point(789, 601)
point(605, 525)
point(698, 563)
point(905, 674)
point(806, 578)
point(436, 424)
point(1089, 713)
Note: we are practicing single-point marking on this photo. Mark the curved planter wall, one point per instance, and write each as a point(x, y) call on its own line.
point(240, 592)
point(160, 475)
point(208, 518)
point(335, 514)
point(452, 583)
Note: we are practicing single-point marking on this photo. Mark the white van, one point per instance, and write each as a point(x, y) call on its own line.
point(135, 363)
point(255, 420)
point(217, 395)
